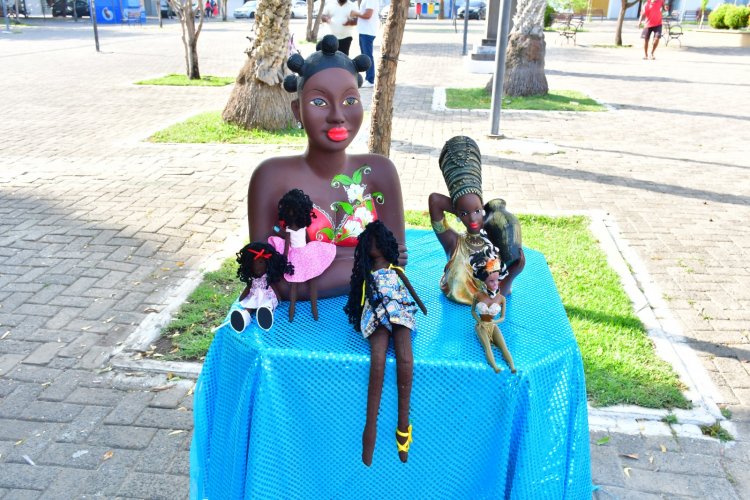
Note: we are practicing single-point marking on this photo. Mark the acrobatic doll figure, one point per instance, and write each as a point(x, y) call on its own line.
point(381, 305)
point(309, 258)
point(489, 302)
point(261, 268)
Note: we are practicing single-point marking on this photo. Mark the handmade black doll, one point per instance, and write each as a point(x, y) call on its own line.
point(261, 268)
point(488, 303)
point(309, 258)
point(380, 306)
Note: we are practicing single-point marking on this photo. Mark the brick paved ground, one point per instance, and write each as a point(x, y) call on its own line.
point(97, 228)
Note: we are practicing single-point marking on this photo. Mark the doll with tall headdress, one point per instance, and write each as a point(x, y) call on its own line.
point(461, 165)
point(347, 190)
point(382, 304)
point(488, 307)
point(309, 257)
point(261, 268)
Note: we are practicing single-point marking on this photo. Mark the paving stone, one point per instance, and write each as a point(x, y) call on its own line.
point(129, 408)
point(36, 374)
point(9, 361)
point(95, 395)
point(43, 354)
point(73, 455)
point(67, 484)
point(22, 494)
point(171, 398)
point(164, 447)
point(79, 429)
point(46, 411)
point(24, 476)
point(156, 486)
point(22, 396)
point(165, 419)
point(128, 437)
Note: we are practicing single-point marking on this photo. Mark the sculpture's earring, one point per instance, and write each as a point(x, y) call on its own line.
point(484, 213)
point(299, 125)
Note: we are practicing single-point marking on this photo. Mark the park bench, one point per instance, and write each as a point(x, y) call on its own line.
point(671, 30)
point(568, 25)
point(591, 14)
point(693, 15)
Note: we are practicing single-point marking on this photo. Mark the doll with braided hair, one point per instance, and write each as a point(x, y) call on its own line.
point(381, 305)
point(487, 225)
point(261, 269)
point(309, 258)
point(347, 190)
point(487, 304)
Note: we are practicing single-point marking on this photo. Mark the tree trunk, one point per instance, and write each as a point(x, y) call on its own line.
point(258, 100)
point(620, 20)
point(524, 73)
point(190, 34)
point(313, 20)
point(441, 14)
point(223, 4)
point(624, 5)
point(382, 108)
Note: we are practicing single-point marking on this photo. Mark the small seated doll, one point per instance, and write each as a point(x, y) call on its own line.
point(261, 268)
point(489, 302)
point(380, 306)
point(309, 258)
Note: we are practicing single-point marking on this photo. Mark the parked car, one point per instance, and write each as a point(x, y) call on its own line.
point(247, 11)
point(411, 13)
point(477, 10)
point(166, 10)
point(299, 10)
point(65, 8)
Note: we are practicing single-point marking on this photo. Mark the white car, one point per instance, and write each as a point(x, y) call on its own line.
point(411, 13)
point(247, 11)
point(299, 10)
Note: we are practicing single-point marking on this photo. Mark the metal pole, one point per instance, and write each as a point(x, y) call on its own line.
point(500, 48)
point(466, 25)
point(92, 10)
point(5, 15)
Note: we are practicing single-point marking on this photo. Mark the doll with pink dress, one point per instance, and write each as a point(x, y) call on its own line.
point(261, 267)
point(309, 258)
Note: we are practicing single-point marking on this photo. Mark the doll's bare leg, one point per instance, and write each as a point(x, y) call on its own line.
point(292, 300)
point(405, 377)
point(487, 348)
point(499, 341)
point(314, 298)
point(378, 347)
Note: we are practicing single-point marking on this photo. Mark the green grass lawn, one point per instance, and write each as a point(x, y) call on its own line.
point(618, 357)
point(557, 100)
point(184, 81)
point(210, 128)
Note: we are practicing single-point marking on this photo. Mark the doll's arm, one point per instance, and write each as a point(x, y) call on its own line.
point(439, 205)
point(287, 243)
point(502, 311)
point(474, 310)
point(413, 293)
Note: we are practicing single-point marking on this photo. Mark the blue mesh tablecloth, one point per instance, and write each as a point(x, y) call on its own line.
point(279, 414)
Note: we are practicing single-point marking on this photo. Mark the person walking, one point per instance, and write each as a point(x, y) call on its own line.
point(368, 23)
point(340, 22)
point(652, 14)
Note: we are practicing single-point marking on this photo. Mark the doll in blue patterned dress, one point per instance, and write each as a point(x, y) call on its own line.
point(381, 305)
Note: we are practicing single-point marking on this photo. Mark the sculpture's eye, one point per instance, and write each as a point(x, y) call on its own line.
point(351, 101)
point(318, 102)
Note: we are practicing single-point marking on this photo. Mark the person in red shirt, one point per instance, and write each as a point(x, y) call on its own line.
point(652, 14)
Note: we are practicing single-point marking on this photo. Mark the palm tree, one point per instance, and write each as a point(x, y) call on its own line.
point(524, 67)
point(258, 99)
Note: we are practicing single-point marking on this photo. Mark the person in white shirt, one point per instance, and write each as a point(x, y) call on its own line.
point(368, 24)
point(340, 22)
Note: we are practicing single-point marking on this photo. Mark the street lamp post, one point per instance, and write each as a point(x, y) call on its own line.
point(497, 88)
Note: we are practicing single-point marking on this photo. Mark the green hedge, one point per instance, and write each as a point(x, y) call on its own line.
point(728, 16)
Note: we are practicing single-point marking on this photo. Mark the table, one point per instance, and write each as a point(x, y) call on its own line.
point(279, 414)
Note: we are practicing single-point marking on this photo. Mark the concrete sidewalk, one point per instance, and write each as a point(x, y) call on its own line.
point(99, 229)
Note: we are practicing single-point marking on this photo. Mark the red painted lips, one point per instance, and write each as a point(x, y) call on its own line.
point(338, 134)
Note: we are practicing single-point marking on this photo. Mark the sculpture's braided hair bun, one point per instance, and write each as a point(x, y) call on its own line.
point(326, 56)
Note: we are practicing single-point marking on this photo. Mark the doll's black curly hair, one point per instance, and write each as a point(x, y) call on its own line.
point(326, 56)
point(295, 209)
point(277, 266)
point(362, 269)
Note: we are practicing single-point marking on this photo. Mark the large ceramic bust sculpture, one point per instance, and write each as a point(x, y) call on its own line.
point(348, 190)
